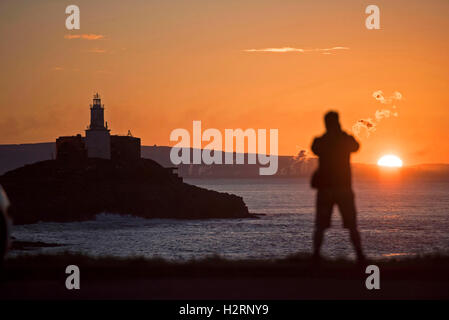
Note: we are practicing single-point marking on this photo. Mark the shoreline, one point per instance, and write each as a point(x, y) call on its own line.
point(295, 277)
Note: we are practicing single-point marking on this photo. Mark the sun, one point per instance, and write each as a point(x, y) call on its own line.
point(390, 160)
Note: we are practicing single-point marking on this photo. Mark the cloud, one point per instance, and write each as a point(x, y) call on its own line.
point(379, 96)
point(290, 49)
point(65, 69)
point(84, 36)
point(368, 125)
point(332, 49)
point(285, 49)
point(384, 113)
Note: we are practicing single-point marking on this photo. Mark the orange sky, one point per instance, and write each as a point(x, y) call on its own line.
point(162, 64)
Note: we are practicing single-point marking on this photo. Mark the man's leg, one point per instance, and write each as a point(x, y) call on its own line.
point(357, 243)
point(348, 211)
point(324, 204)
point(317, 241)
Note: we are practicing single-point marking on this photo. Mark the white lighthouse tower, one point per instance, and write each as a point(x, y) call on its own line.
point(98, 139)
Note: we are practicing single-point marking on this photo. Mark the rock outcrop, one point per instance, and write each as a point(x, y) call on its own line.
point(62, 191)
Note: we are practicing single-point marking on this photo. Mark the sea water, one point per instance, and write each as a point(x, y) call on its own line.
point(395, 219)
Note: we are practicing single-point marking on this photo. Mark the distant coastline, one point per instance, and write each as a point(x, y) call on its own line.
point(13, 156)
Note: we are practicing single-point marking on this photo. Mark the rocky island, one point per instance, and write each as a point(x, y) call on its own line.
point(63, 191)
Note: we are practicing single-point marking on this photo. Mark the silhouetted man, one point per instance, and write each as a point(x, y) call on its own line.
point(333, 181)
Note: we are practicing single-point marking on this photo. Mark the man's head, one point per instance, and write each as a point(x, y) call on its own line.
point(331, 121)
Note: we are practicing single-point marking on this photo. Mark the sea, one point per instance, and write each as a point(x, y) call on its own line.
point(396, 219)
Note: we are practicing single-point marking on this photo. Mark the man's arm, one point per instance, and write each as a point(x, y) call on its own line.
point(316, 146)
point(353, 144)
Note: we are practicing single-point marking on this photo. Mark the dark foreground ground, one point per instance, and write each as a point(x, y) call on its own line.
point(43, 277)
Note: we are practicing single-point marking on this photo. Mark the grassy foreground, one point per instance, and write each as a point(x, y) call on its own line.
point(295, 277)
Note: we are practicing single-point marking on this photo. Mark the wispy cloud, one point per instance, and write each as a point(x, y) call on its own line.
point(65, 69)
point(84, 36)
point(290, 49)
point(369, 125)
point(379, 96)
point(284, 49)
point(331, 49)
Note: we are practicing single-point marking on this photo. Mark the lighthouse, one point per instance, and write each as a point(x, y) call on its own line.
point(98, 143)
point(98, 138)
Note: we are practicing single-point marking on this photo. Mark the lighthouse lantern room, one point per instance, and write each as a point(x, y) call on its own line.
point(98, 139)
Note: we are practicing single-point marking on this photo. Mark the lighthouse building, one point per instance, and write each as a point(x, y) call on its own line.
point(98, 143)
